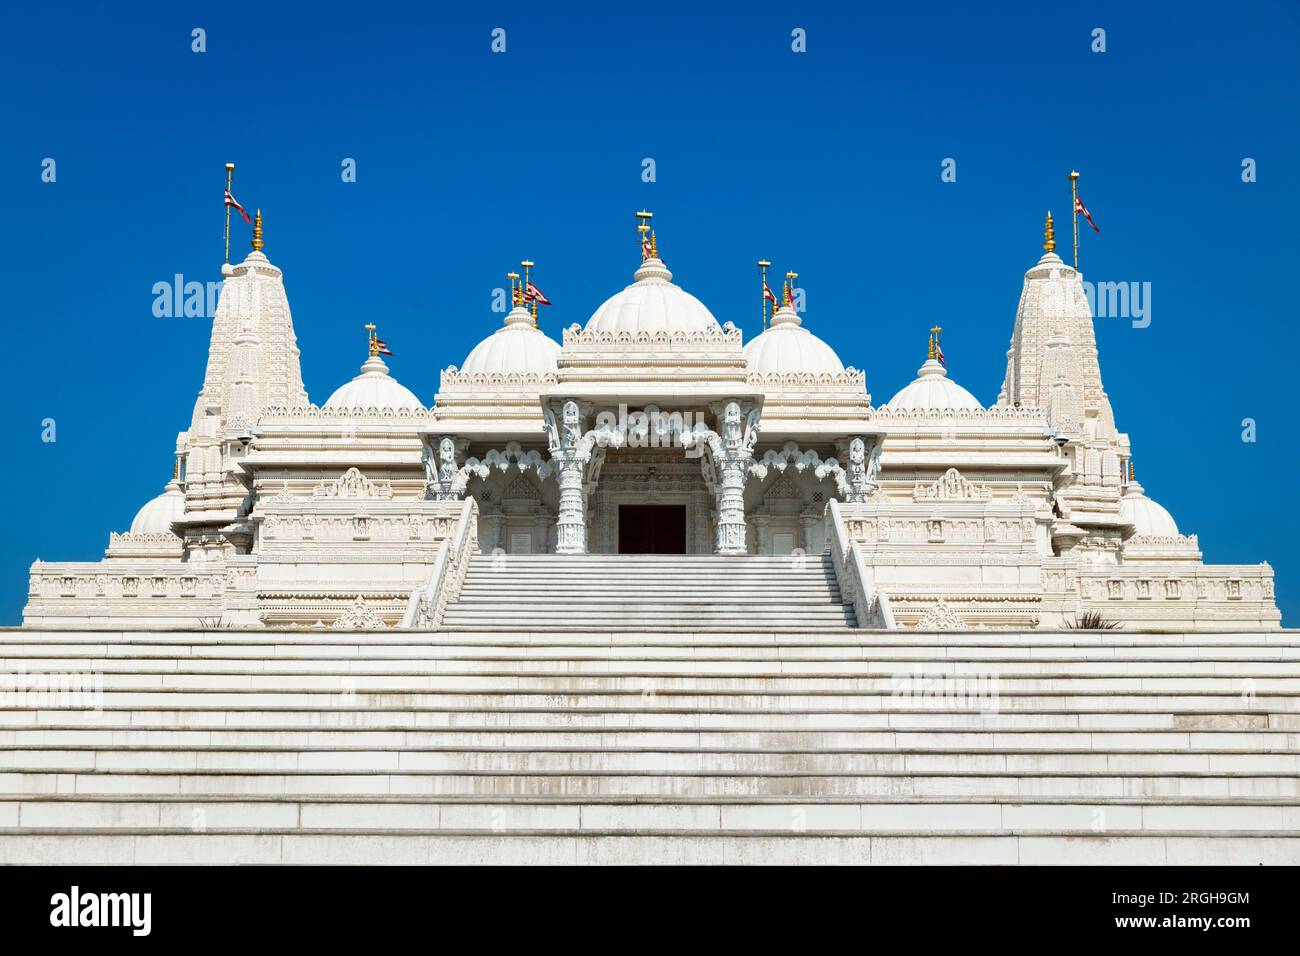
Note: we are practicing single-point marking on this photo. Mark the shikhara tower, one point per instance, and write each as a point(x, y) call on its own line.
point(653, 427)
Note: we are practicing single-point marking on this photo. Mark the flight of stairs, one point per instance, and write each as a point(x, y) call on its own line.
point(761, 745)
point(629, 592)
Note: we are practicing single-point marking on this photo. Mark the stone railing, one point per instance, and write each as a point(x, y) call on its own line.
point(427, 605)
point(870, 607)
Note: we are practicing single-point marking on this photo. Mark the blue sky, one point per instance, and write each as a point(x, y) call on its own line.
point(827, 162)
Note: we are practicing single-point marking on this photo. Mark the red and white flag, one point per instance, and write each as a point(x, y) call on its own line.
point(1080, 207)
point(938, 353)
point(381, 347)
point(231, 201)
point(768, 294)
point(534, 293)
point(645, 246)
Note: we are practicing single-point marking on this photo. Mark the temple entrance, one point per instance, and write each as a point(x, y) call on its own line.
point(651, 529)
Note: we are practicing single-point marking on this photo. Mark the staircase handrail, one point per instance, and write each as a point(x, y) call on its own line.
point(427, 605)
point(871, 608)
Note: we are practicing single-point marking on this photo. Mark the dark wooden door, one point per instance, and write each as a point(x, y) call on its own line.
point(651, 529)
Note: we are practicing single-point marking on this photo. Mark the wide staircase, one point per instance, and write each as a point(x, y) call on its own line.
point(597, 745)
point(630, 592)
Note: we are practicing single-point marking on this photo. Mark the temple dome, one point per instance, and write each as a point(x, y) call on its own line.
point(652, 304)
point(518, 346)
point(373, 388)
point(787, 347)
point(1148, 517)
point(157, 515)
point(932, 389)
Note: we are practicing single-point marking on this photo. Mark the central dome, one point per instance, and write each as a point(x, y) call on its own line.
point(652, 304)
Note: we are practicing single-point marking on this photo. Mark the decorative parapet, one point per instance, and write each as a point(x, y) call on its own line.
point(710, 340)
point(454, 380)
point(279, 414)
point(145, 544)
point(797, 381)
point(997, 413)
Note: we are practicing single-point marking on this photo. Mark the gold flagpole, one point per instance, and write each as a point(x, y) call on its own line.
point(230, 179)
point(763, 266)
point(528, 265)
point(1074, 212)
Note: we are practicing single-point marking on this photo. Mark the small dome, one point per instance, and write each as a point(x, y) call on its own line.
point(157, 515)
point(1148, 518)
point(932, 389)
point(652, 304)
point(515, 347)
point(373, 388)
point(788, 347)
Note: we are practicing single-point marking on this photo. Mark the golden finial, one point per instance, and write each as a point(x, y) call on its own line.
point(654, 245)
point(373, 339)
point(647, 237)
point(516, 293)
point(934, 348)
point(1049, 234)
point(1132, 472)
point(257, 232)
point(789, 288)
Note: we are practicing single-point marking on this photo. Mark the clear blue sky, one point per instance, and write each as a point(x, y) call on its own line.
point(827, 162)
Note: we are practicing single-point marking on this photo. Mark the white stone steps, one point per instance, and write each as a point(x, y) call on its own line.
point(359, 641)
point(617, 761)
point(943, 740)
point(676, 785)
point(626, 664)
point(657, 719)
point(781, 848)
point(783, 682)
point(652, 696)
point(21, 816)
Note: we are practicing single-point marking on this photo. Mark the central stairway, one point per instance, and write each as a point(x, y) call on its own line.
point(757, 745)
point(630, 592)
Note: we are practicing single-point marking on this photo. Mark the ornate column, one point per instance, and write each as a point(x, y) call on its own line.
point(570, 452)
point(732, 452)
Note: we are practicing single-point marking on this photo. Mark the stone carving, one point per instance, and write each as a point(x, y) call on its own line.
point(352, 484)
point(951, 486)
point(941, 618)
point(359, 617)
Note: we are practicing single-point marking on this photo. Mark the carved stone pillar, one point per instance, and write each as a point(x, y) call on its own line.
point(731, 452)
point(570, 451)
point(731, 505)
point(571, 523)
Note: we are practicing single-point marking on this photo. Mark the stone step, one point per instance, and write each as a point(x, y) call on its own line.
point(777, 848)
point(142, 815)
point(656, 695)
point(1286, 642)
point(615, 646)
point(611, 761)
point(813, 679)
point(626, 663)
point(591, 738)
point(1227, 786)
point(656, 719)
